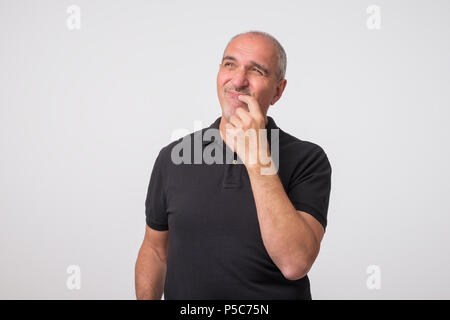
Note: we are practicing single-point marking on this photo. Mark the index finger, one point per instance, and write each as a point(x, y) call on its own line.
point(253, 105)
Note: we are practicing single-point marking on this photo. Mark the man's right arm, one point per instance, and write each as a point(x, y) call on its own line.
point(151, 265)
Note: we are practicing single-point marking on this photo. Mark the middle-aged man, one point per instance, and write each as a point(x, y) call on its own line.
point(236, 231)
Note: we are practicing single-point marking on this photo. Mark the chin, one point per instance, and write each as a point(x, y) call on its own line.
point(227, 113)
point(230, 109)
point(230, 105)
point(234, 104)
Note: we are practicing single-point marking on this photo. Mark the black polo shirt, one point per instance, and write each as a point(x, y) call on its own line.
point(215, 248)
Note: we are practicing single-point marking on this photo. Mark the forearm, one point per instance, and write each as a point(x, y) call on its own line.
point(150, 273)
point(288, 239)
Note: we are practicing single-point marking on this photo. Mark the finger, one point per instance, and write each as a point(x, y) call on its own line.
point(230, 130)
point(229, 126)
point(245, 116)
point(236, 121)
point(253, 105)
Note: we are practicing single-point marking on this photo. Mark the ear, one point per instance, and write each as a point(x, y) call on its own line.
point(279, 91)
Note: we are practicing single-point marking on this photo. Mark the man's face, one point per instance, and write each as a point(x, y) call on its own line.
point(249, 66)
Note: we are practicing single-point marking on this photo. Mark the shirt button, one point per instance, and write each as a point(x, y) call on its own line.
point(234, 161)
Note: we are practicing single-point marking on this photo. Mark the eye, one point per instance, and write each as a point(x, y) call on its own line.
point(228, 64)
point(257, 70)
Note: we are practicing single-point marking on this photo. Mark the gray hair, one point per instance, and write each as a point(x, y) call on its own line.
point(282, 59)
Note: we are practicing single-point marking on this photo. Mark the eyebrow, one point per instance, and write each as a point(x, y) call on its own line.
point(255, 64)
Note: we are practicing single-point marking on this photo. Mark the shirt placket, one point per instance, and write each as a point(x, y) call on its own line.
point(232, 178)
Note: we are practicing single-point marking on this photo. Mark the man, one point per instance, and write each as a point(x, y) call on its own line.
point(232, 230)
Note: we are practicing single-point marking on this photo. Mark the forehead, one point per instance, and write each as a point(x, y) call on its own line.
point(252, 48)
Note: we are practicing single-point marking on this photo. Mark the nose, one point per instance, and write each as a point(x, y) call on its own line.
point(240, 79)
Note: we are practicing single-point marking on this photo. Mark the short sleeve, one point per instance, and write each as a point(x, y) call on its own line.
point(310, 185)
point(155, 203)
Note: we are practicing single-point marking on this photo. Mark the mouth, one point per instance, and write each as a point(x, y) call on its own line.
point(234, 94)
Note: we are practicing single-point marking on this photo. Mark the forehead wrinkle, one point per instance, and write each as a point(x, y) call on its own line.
point(248, 51)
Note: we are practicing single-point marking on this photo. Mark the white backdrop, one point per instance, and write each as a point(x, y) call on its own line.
point(84, 113)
